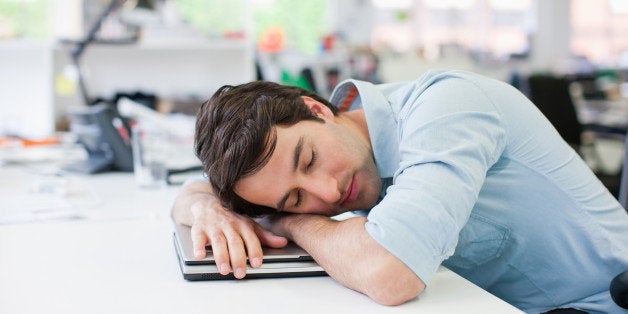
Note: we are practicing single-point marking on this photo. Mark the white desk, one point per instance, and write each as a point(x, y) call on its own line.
point(124, 262)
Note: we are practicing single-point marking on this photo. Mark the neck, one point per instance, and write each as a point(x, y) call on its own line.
point(356, 120)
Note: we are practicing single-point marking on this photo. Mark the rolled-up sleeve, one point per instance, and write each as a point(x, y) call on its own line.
point(450, 134)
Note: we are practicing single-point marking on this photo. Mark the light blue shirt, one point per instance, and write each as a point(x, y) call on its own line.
point(482, 183)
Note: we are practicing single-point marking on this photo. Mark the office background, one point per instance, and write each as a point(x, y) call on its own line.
point(142, 46)
point(172, 54)
point(159, 59)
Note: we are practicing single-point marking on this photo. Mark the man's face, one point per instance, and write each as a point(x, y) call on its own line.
point(318, 168)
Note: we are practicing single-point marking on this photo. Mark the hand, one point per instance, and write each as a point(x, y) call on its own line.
point(231, 236)
point(274, 223)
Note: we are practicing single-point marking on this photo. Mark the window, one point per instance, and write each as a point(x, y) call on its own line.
point(303, 23)
point(485, 27)
point(214, 17)
point(599, 31)
point(24, 19)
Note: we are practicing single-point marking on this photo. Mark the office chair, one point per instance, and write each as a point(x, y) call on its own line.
point(619, 289)
point(623, 184)
point(619, 285)
point(552, 96)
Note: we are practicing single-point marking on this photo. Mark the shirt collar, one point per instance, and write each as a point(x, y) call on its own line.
point(380, 120)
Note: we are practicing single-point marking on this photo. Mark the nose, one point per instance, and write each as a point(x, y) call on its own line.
point(322, 187)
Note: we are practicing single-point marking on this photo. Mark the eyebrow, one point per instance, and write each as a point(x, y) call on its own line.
point(295, 164)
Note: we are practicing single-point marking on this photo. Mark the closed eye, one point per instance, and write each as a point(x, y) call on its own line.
point(313, 160)
point(308, 167)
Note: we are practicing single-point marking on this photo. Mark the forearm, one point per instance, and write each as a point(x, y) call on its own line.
point(349, 255)
point(192, 197)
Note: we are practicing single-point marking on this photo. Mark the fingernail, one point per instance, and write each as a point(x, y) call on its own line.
point(198, 253)
point(256, 262)
point(224, 269)
point(239, 273)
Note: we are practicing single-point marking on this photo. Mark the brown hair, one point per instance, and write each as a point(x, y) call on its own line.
point(234, 135)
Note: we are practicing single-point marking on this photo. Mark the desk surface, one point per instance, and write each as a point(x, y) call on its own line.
point(123, 261)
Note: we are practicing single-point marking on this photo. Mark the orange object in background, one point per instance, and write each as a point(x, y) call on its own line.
point(272, 39)
point(14, 141)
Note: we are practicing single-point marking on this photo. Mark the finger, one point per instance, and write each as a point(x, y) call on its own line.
point(220, 252)
point(270, 239)
point(199, 241)
point(237, 254)
point(253, 247)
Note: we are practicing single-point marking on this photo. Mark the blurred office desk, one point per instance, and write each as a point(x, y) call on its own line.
point(124, 262)
point(612, 114)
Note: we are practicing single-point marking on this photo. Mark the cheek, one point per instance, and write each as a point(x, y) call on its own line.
point(342, 158)
point(372, 186)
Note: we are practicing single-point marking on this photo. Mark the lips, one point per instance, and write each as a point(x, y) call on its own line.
point(352, 192)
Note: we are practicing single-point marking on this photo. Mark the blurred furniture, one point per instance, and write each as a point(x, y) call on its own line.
point(168, 68)
point(78, 51)
point(551, 94)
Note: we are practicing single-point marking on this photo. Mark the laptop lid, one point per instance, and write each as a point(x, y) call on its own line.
point(290, 253)
point(290, 261)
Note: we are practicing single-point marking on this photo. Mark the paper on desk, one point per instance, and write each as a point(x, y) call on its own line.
point(34, 209)
point(50, 197)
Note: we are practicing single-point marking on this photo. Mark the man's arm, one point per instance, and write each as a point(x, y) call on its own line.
point(231, 235)
point(350, 255)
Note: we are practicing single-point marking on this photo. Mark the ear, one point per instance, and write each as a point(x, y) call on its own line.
point(318, 108)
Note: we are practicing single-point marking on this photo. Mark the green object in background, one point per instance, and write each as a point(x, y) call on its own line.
point(214, 17)
point(300, 81)
point(304, 21)
point(609, 74)
point(25, 19)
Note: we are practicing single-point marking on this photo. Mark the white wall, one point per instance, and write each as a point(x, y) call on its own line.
point(26, 105)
